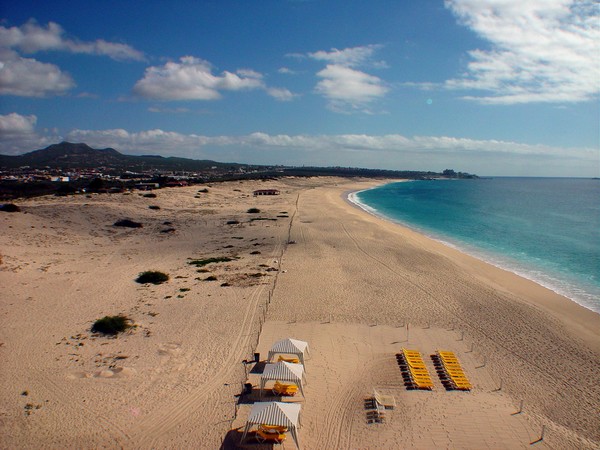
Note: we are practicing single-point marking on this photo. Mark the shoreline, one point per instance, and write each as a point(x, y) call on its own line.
point(310, 265)
point(495, 260)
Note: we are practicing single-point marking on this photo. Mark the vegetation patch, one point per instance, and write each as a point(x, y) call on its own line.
point(233, 222)
point(260, 218)
point(154, 207)
point(127, 223)
point(211, 278)
point(9, 207)
point(256, 252)
point(184, 289)
point(111, 325)
point(204, 262)
point(253, 211)
point(151, 195)
point(152, 276)
point(168, 230)
point(204, 191)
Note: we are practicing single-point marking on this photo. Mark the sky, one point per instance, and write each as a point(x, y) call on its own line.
point(492, 87)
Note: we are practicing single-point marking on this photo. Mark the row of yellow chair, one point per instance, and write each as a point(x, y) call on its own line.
point(416, 367)
point(453, 370)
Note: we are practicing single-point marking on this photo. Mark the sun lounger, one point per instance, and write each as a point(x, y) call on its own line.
point(292, 360)
point(418, 373)
point(453, 370)
point(273, 437)
point(387, 401)
point(285, 389)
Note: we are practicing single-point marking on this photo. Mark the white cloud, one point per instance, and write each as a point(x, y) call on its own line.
point(542, 51)
point(15, 124)
point(351, 57)
point(32, 38)
point(348, 88)
point(375, 146)
point(281, 94)
point(18, 134)
point(28, 77)
point(286, 71)
point(192, 79)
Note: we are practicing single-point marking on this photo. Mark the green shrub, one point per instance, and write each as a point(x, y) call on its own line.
point(203, 262)
point(152, 276)
point(9, 207)
point(127, 223)
point(111, 324)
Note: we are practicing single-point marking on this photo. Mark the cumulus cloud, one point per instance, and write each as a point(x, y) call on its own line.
point(351, 57)
point(281, 94)
point(18, 134)
point(32, 38)
point(28, 77)
point(541, 51)
point(349, 88)
point(193, 79)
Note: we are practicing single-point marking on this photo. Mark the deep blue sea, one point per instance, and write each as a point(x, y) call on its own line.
point(544, 229)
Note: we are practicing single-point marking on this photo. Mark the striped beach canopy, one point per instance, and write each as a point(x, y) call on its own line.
point(283, 371)
point(277, 414)
point(290, 347)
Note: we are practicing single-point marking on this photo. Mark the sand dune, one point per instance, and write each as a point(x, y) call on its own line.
point(348, 285)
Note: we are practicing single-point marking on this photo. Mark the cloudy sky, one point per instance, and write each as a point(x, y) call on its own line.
point(493, 87)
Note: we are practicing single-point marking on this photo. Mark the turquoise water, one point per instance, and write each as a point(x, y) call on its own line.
point(545, 229)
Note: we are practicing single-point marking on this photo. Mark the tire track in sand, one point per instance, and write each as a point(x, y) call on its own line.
point(152, 427)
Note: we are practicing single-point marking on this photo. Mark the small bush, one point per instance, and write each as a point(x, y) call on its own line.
point(210, 278)
point(154, 207)
point(10, 207)
point(152, 276)
point(205, 191)
point(151, 195)
point(253, 211)
point(111, 325)
point(168, 230)
point(127, 223)
point(203, 262)
point(233, 222)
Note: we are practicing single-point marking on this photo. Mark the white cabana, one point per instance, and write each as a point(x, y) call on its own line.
point(283, 371)
point(290, 347)
point(275, 414)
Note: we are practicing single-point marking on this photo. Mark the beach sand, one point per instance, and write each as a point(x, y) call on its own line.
point(309, 265)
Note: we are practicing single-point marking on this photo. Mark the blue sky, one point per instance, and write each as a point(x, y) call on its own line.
point(496, 87)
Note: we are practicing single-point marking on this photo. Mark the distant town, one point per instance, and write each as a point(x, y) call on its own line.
point(68, 168)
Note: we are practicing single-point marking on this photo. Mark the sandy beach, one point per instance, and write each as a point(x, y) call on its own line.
point(309, 265)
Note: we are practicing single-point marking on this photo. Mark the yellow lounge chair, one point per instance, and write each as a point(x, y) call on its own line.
point(273, 437)
point(292, 360)
point(285, 389)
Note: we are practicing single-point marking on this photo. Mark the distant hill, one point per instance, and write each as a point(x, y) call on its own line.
point(69, 155)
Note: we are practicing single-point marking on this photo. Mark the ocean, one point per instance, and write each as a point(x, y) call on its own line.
point(544, 229)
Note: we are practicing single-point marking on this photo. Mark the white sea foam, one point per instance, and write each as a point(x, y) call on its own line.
point(562, 287)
